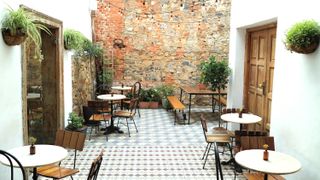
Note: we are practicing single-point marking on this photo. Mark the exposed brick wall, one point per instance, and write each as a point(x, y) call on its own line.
point(159, 49)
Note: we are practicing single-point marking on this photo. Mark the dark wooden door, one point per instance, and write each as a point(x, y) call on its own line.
point(259, 73)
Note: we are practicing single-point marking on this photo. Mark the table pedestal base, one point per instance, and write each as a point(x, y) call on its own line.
point(236, 166)
point(112, 129)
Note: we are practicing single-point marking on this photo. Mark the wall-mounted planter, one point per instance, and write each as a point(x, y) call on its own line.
point(303, 37)
point(13, 40)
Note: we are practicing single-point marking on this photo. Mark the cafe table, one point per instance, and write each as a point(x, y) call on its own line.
point(277, 163)
point(246, 118)
point(196, 91)
point(45, 155)
point(121, 88)
point(112, 97)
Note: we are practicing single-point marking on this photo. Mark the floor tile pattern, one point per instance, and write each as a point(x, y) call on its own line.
point(160, 150)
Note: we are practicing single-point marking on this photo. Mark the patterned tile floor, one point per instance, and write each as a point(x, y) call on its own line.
point(160, 150)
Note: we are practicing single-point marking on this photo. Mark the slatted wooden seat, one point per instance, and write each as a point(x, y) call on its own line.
point(260, 176)
point(66, 139)
point(176, 105)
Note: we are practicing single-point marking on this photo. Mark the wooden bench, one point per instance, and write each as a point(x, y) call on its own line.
point(176, 105)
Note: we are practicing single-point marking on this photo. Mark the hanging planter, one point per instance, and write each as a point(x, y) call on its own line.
point(303, 37)
point(13, 40)
point(18, 25)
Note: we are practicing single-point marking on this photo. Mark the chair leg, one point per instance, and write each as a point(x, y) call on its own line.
point(128, 127)
point(139, 112)
point(205, 161)
point(205, 152)
point(218, 164)
point(118, 122)
point(134, 124)
point(90, 133)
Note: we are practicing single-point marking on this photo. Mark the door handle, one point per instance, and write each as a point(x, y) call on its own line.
point(263, 87)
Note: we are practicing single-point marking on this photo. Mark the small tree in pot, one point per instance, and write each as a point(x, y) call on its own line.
point(215, 74)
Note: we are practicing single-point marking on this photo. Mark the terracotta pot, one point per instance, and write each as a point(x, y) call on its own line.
point(201, 86)
point(144, 105)
point(154, 105)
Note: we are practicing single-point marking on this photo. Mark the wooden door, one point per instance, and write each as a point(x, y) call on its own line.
point(259, 73)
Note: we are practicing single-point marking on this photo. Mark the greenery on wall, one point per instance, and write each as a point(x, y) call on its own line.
point(75, 40)
point(20, 23)
point(303, 37)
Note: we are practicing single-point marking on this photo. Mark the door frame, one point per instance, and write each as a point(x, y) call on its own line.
point(55, 24)
point(246, 62)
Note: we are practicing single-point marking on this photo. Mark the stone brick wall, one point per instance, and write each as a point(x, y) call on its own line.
point(164, 42)
point(82, 77)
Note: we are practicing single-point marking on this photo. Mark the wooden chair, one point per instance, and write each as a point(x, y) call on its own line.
point(66, 139)
point(135, 92)
point(99, 106)
point(215, 139)
point(95, 167)
point(128, 114)
point(11, 158)
point(94, 119)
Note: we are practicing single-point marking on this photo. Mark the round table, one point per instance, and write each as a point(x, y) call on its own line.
point(121, 88)
point(45, 154)
point(278, 163)
point(33, 95)
point(246, 118)
point(111, 98)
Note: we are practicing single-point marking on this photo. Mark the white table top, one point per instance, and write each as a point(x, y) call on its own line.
point(33, 95)
point(278, 163)
point(45, 154)
point(246, 118)
point(109, 97)
point(121, 88)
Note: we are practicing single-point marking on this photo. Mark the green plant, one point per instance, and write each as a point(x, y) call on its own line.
point(73, 39)
point(150, 95)
point(91, 49)
point(75, 121)
point(32, 140)
point(303, 35)
point(215, 74)
point(165, 90)
point(18, 22)
point(106, 77)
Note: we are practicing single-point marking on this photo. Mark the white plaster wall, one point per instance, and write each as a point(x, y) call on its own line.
point(296, 92)
point(10, 98)
point(74, 14)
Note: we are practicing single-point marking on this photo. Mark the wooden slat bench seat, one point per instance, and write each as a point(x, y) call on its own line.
point(176, 105)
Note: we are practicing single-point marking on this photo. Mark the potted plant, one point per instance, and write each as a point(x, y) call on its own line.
point(164, 91)
point(215, 74)
point(17, 26)
point(303, 37)
point(144, 99)
point(75, 123)
point(32, 141)
point(154, 98)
